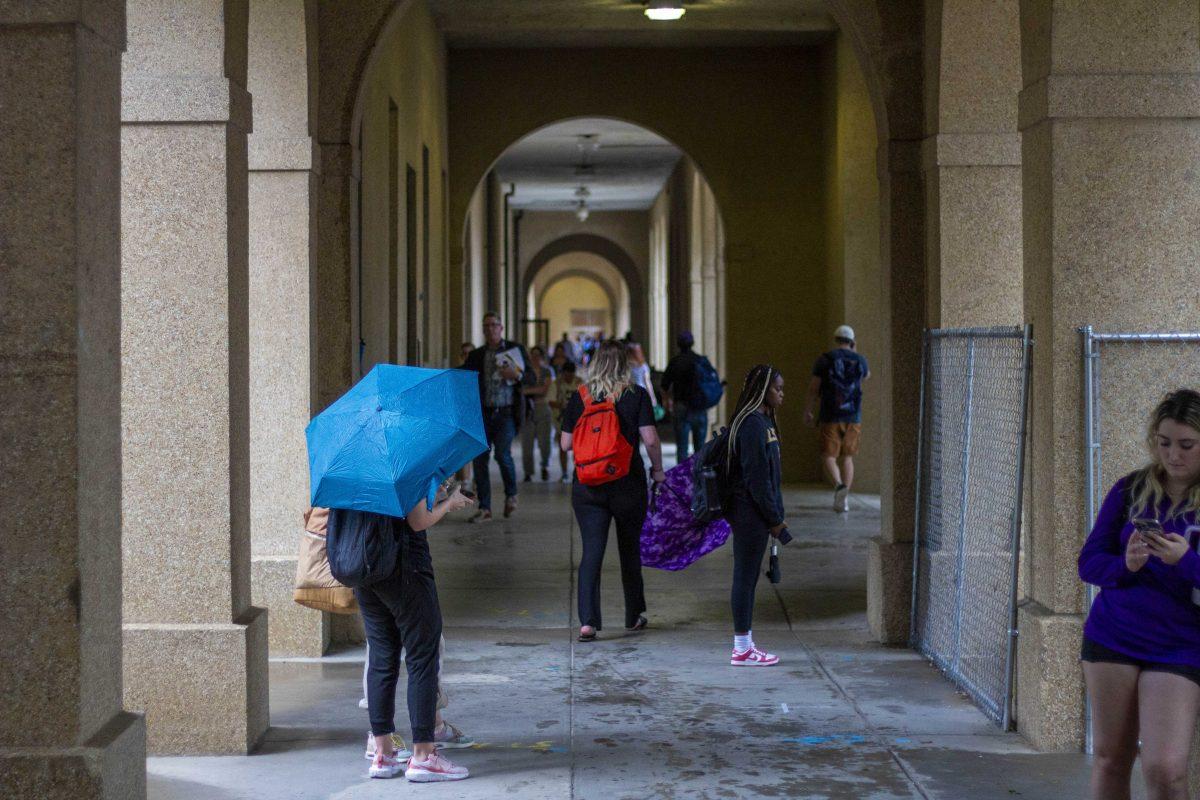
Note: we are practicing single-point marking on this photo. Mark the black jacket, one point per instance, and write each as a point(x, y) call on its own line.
point(475, 361)
point(757, 474)
point(679, 378)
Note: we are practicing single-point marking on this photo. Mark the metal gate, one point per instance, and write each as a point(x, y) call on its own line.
point(970, 470)
point(1140, 368)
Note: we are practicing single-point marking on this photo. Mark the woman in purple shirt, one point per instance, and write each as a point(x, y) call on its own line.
point(1141, 641)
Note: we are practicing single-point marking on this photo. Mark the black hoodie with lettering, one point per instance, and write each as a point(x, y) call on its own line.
point(757, 475)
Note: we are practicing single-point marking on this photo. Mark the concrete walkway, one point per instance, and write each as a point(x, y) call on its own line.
point(658, 714)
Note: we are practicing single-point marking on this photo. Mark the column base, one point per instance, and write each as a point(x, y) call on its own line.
point(203, 687)
point(1049, 679)
point(294, 630)
point(109, 766)
point(347, 629)
point(889, 590)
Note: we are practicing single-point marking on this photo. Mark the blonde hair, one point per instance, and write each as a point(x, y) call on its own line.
point(1146, 486)
point(608, 374)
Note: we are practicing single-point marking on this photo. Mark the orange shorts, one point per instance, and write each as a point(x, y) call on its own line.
point(838, 438)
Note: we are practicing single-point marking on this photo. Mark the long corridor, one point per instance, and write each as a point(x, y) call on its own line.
point(657, 714)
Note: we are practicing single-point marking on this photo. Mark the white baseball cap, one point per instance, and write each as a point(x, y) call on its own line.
point(844, 332)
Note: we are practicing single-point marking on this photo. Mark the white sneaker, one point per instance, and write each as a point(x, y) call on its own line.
point(387, 766)
point(841, 498)
point(402, 751)
point(435, 768)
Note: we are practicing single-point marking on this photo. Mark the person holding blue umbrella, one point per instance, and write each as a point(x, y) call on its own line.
point(377, 457)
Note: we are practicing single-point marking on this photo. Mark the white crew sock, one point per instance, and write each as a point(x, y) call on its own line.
point(743, 643)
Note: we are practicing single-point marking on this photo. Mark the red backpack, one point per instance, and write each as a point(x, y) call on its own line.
point(602, 454)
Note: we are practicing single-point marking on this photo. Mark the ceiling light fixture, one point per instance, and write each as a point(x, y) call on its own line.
point(582, 211)
point(665, 10)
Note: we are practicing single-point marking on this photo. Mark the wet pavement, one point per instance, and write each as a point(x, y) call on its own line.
point(655, 714)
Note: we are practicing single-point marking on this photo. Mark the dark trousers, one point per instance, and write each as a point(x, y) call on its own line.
point(750, 538)
point(688, 421)
point(402, 613)
point(499, 428)
point(595, 508)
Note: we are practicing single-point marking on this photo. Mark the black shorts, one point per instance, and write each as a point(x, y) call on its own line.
point(1098, 653)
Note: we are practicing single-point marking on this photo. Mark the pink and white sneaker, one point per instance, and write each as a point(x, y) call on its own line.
point(435, 768)
point(753, 658)
point(384, 766)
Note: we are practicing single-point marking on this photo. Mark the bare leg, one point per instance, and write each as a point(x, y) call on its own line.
point(831, 469)
point(1113, 689)
point(848, 470)
point(1167, 707)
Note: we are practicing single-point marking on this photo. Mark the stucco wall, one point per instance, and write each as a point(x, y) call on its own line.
point(409, 72)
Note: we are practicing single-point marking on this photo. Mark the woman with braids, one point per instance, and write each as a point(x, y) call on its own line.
point(756, 506)
point(1141, 641)
point(604, 422)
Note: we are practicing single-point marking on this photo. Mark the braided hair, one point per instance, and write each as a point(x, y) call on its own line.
point(754, 394)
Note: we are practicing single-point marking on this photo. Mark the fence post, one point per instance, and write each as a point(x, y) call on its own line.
point(913, 638)
point(1018, 511)
point(962, 517)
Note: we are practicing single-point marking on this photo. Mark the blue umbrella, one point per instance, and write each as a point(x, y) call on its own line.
point(389, 441)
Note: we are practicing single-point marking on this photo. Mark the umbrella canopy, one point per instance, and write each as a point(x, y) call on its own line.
point(671, 537)
point(389, 441)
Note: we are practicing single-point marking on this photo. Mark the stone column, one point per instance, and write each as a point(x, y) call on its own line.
point(63, 733)
point(195, 647)
point(283, 185)
point(1110, 117)
point(972, 165)
point(889, 560)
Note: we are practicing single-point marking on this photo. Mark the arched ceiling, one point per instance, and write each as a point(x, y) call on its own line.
point(621, 23)
point(622, 166)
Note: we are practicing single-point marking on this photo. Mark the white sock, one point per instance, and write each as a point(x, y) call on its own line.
point(743, 643)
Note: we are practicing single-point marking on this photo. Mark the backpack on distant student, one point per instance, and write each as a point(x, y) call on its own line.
point(845, 377)
point(363, 547)
point(710, 479)
point(706, 386)
point(602, 453)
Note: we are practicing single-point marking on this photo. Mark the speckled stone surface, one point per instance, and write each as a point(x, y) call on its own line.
point(889, 590)
point(1049, 679)
point(203, 688)
point(195, 650)
point(62, 731)
point(295, 630)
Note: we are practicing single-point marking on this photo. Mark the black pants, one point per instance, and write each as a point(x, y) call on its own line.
point(595, 508)
point(402, 613)
point(750, 538)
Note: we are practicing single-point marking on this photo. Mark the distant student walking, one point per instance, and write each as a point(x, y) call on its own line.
point(603, 423)
point(837, 379)
point(1141, 641)
point(755, 478)
point(538, 417)
point(503, 368)
point(687, 385)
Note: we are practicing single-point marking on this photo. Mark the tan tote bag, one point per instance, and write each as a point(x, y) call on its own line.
point(315, 586)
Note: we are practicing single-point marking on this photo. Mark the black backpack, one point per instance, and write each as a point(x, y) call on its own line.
point(710, 479)
point(363, 547)
point(845, 376)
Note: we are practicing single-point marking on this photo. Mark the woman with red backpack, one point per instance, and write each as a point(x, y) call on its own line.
point(603, 423)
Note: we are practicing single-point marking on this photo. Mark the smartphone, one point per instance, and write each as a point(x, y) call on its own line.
point(1148, 526)
point(467, 494)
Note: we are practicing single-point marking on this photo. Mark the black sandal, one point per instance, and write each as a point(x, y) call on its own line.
point(587, 637)
point(640, 625)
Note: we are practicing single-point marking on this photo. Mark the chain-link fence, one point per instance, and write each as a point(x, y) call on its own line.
point(970, 466)
point(1125, 375)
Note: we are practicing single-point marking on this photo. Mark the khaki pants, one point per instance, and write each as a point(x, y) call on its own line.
point(536, 427)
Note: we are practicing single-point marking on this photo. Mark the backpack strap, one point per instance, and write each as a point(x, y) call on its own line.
point(585, 395)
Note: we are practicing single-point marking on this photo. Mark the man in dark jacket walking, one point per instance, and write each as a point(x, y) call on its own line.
point(679, 386)
point(501, 376)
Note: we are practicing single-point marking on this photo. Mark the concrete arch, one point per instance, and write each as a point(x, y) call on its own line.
point(609, 251)
point(586, 265)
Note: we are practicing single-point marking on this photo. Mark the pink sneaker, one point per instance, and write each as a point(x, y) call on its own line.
point(386, 766)
point(753, 658)
point(435, 768)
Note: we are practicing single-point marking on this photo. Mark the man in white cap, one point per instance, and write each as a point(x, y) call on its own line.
point(837, 382)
